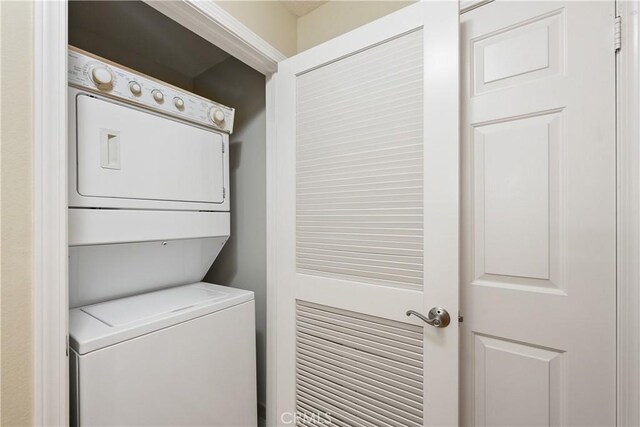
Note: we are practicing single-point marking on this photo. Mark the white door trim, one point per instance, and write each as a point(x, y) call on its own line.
point(50, 216)
point(209, 21)
point(628, 104)
point(272, 230)
point(213, 23)
point(467, 5)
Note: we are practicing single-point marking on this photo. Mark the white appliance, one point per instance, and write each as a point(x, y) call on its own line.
point(179, 356)
point(148, 171)
point(148, 215)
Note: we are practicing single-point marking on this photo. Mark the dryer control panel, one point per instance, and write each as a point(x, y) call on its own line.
point(90, 72)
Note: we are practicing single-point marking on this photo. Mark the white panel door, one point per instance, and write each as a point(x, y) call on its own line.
point(367, 224)
point(538, 200)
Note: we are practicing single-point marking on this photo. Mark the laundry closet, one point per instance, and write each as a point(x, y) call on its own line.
point(442, 213)
point(167, 223)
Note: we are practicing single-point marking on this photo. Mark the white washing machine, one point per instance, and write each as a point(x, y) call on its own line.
point(183, 356)
point(148, 214)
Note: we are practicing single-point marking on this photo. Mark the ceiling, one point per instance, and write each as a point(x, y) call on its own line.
point(301, 8)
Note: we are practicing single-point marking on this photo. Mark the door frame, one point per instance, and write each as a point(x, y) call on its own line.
point(50, 328)
point(50, 214)
point(628, 199)
point(217, 26)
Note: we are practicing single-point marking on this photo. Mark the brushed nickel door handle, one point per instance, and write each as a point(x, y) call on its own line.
point(438, 317)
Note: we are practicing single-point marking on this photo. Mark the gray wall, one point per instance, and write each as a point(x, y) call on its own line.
point(242, 262)
point(136, 35)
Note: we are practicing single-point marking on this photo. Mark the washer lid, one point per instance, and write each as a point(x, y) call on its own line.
point(137, 308)
point(99, 325)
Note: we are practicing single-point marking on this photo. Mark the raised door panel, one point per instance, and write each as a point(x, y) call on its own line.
point(527, 50)
point(517, 384)
point(517, 202)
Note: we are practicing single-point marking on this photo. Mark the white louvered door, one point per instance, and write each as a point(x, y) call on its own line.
point(367, 225)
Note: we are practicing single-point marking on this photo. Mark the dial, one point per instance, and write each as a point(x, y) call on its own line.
point(179, 103)
point(217, 115)
point(158, 96)
point(135, 88)
point(102, 78)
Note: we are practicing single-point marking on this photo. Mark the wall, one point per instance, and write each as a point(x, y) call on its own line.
point(338, 17)
point(16, 213)
point(125, 36)
point(242, 262)
point(268, 19)
point(290, 34)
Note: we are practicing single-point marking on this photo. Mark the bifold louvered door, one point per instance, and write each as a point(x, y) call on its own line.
point(366, 212)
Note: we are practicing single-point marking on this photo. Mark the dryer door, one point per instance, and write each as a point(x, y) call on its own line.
point(126, 153)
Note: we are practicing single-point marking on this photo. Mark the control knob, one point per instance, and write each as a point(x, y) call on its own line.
point(217, 115)
point(102, 78)
point(158, 96)
point(135, 88)
point(179, 103)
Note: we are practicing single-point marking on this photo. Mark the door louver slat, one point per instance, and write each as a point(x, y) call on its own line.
point(344, 419)
point(360, 162)
point(375, 328)
point(353, 378)
point(372, 361)
point(348, 363)
point(381, 409)
point(356, 369)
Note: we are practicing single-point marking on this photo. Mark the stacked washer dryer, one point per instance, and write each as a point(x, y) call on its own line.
point(148, 214)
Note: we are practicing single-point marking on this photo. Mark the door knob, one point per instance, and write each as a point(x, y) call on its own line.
point(438, 317)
